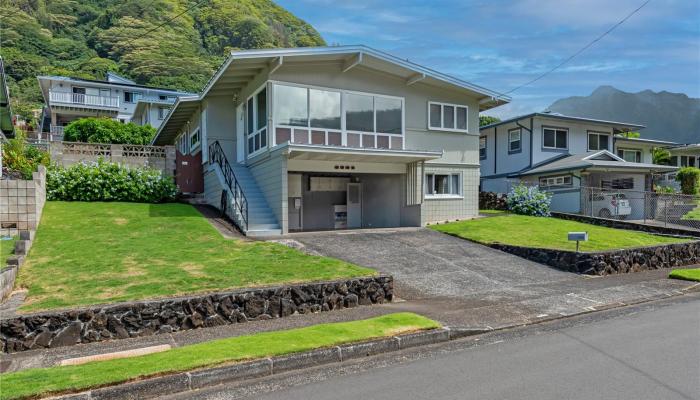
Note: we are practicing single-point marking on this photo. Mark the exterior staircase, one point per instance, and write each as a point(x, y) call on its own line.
point(244, 202)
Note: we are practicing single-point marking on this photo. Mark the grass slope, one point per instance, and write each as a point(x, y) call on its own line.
point(686, 274)
point(42, 381)
point(7, 248)
point(90, 253)
point(549, 233)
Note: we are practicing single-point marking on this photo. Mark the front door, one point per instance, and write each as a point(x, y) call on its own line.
point(188, 172)
point(354, 204)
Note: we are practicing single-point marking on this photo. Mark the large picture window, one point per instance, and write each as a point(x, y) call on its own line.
point(447, 117)
point(555, 138)
point(256, 121)
point(630, 155)
point(443, 185)
point(309, 115)
point(598, 141)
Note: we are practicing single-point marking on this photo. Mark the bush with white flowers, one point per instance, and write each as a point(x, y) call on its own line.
point(529, 201)
point(104, 181)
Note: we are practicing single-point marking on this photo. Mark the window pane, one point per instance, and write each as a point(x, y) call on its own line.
point(283, 135)
point(263, 138)
point(359, 113)
point(442, 183)
point(454, 188)
point(429, 179)
point(603, 142)
point(388, 115)
point(324, 109)
point(462, 118)
point(548, 138)
point(251, 145)
point(435, 111)
point(290, 106)
point(448, 117)
point(249, 118)
point(592, 141)
point(262, 108)
point(561, 139)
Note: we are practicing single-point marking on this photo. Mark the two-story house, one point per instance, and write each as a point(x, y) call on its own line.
point(68, 99)
point(564, 153)
point(332, 138)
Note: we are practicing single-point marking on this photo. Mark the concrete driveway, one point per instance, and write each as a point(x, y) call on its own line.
point(426, 263)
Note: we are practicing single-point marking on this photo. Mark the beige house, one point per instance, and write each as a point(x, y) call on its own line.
point(332, 138)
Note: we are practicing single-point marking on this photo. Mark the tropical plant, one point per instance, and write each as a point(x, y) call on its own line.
point(529, 201)
point(665, 189)
point(629, 135)
point(689, 178)
point(104, 181)
point(19, 157)
point(487, 120)
point(105, 130)
point(660, 156)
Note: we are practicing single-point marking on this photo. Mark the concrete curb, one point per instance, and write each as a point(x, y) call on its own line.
point(188, 381)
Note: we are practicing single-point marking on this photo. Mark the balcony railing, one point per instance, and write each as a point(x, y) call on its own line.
point(84, 99)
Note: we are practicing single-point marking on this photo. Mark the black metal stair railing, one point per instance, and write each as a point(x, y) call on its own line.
point(240, 202)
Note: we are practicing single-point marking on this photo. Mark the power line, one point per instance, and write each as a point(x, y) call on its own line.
point(584, 48)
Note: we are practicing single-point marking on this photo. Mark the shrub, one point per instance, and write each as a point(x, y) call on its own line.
point(103, 181)
point(105, 130)
point(665, 190)
point(22, 158)
point(529, 201)
point(689, 178)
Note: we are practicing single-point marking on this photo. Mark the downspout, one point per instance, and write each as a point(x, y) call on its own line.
point(495, 151)
point(529, 130)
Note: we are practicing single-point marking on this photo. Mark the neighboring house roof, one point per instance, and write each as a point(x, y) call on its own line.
point(689, 146)
point(644, 141)
point(621, 126)
point(595, 159)
point(7, 128)
point(114, 78)
point(235, 74)
point(43, 82)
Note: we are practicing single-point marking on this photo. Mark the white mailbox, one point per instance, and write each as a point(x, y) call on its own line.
point(578, 236)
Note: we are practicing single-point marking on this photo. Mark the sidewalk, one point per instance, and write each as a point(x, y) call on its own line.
point(483, 311)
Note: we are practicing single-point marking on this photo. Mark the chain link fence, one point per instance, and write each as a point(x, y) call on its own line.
point(661, 209)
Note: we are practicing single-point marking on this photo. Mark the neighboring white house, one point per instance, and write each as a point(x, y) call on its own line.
point(562, 153)
point(333, 138)
point(68, 99)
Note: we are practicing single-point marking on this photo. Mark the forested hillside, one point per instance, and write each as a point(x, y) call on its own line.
point(87, 38)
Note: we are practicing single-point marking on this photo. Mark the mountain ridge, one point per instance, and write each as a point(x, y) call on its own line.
point(666, 115)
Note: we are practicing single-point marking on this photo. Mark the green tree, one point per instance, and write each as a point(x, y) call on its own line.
point(105, 130)
point(629, 135)
point(660, 156)
point(487, 120)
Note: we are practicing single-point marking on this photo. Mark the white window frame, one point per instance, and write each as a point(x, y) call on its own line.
point(442, 117)
point(197, 134)
point(598, 134)
point(139, 96)
point(555, 129)
point(687, 158)
point(256, 131)
point(510, 140)
point(485, 147)
point(450, 195)
point(343, 102)
point(636, 151)
point(556, 181)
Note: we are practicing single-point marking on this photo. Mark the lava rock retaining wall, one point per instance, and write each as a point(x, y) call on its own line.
point(124, 320)
point(635, 226)
point(611, 262)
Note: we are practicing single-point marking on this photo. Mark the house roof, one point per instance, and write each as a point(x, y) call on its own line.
point(689, 146)
point(592, 160)
point(644, 141)
point(242, 67)
point(620, 126)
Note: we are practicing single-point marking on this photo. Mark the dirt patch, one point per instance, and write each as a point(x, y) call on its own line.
point(132, 267)
point(196, 270)
point(121, 221)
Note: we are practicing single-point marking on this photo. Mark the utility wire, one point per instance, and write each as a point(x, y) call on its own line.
point(584, 48)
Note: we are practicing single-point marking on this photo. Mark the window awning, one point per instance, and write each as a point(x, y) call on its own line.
point(334, 153)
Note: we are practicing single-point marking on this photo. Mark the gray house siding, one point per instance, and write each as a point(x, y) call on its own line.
point(270, 173)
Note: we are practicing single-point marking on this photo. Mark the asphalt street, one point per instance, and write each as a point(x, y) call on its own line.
point(648, 352)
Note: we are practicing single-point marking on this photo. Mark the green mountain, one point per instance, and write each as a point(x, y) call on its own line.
point(168, 43)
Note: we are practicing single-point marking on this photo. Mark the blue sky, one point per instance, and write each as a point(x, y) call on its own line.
point(502, 44)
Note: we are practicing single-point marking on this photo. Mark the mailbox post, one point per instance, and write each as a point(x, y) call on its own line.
point(578, 237)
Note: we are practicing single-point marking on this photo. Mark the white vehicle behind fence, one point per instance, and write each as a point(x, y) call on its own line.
point(611, 205)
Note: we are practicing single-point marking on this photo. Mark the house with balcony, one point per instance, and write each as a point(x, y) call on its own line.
point(68, 99)
point(562, 154)
point(330, 138)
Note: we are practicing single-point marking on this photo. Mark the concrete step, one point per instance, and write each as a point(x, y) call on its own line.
point(263, 232)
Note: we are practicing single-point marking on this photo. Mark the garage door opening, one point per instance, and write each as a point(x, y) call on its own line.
point(331, 201)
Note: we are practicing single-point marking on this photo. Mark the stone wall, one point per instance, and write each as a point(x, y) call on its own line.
point(156, 157)
point(11, 266)
point(119, 321)
point(611, 262)
point(21, 203)
point(635, 226)
point(492, 201)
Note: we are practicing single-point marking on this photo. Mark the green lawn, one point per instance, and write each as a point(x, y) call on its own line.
point(7, 247)
point(41, 381)
point(91, 253)
point(694, 214)
point(550, 233)
point(686, 274)
point(493, 212)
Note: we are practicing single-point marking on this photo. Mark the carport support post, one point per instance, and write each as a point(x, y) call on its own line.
point(665, 212)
